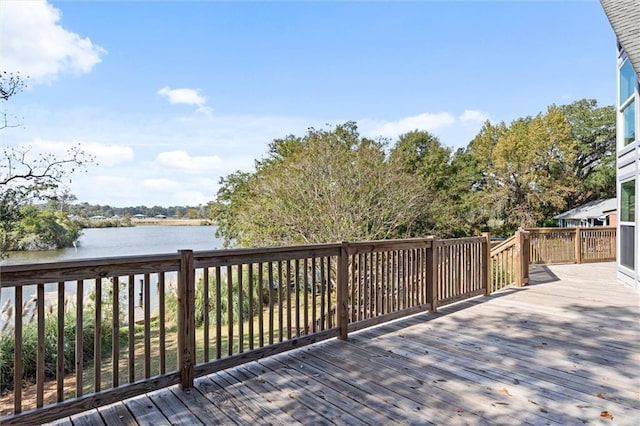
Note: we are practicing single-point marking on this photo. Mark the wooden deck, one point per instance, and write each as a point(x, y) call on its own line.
point(565, 350)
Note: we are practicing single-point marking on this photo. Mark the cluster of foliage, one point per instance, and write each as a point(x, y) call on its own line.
point(536, 167)
point(329, 185)
point(335, 185)
point(39, 230)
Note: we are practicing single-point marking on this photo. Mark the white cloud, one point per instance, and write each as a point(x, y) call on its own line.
point(104, 154)
point(182, 161)
point(425, 121)
point(104, 189)
point(36, 45)
point(184, 96)
point(471, 116)
point(160, 185)
point(191, 198)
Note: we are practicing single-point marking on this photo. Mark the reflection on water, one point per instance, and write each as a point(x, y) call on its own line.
point(114, 242)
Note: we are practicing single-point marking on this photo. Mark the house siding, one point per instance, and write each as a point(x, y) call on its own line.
point(624, 16)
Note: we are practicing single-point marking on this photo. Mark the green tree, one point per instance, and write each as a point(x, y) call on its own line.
point(327, 186)
point(527, 169)
point(41, 230)
point(421, 156)
point(594, 130)
point(27, 177)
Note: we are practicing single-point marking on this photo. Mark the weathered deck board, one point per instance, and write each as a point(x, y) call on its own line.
point(564, 350)
point(117, 414)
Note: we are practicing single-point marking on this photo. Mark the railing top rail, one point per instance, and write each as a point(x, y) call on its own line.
point(265, 254)
point(91, 268)
point(70, 270)
point(460, 241)
point(570, 230)
point(387, 245)
point(503, 245)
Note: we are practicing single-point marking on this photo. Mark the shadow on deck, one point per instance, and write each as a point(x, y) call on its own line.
point(564, 350)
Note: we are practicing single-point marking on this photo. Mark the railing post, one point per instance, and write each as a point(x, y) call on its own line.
point(519, 260)
point(432, 275)
point(186, 319)
point(486, 264)
point(526, 256)
point(578, 246)
point(343, 291)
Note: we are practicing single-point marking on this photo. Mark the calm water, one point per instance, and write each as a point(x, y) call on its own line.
point(112, 242)
point(137, 240)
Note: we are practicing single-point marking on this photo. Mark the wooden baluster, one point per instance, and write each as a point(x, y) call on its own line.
point(218, 313)
point(205, 315)
point(229, 310)
point(97, 338)
point(115, 332)
point(132, 325)
point(40, 347)
point(162, 320)
point(240, 310)
point(251, 307)
point(17, 354)
point(60, 345)
point(79, 336)
point(260, 304)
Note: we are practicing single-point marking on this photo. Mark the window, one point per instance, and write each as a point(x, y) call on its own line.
point(628, 231)
point(627, 81)
point(628, 201)
point(629, 124)
point(627, 246)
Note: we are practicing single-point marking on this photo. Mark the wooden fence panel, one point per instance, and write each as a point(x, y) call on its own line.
point(572, 245)
point(598, 244)
point(460, 272)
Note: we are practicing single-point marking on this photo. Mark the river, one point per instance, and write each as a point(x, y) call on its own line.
point(113, 242)
point(126, 241)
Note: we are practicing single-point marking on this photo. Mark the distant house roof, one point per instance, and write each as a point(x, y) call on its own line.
point(590, 210)
point(624, 16)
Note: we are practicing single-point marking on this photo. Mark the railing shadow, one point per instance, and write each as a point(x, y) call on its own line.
point(541, 274)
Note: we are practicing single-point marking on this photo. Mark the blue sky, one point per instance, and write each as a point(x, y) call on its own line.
point(169, 96)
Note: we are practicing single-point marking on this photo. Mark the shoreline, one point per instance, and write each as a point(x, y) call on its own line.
point(171, 222)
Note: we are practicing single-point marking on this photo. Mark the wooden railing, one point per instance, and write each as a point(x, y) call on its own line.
point(510, 262)
point(108, 329)
point(462, 269)
point(572, 245)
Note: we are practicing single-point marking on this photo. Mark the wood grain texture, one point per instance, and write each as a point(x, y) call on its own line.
point(561, 351)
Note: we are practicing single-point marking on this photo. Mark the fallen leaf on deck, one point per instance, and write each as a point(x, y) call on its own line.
point(601, 396)
point(606, 415)
point(505, 391)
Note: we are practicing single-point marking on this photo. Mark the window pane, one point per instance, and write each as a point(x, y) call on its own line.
point(629, 124)
point(628, 246)
point(628, 201)
point(627, 81)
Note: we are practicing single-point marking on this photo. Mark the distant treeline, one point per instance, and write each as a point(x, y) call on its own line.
point(86, 210)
